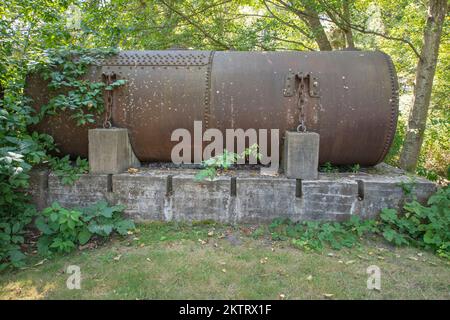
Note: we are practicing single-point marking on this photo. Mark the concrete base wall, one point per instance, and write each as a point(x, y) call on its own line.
point(244, 196)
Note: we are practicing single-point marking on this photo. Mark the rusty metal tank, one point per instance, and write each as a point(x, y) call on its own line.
point(349, 97)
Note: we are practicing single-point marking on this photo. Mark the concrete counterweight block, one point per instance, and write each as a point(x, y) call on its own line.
point(301, 155)
point(110, 151)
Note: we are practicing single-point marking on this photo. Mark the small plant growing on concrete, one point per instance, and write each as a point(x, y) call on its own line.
point(329, 168)
point(67, 171)
point(224, 162)
point(355, 168)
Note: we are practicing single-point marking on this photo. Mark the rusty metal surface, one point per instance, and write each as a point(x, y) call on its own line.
point(350, 99)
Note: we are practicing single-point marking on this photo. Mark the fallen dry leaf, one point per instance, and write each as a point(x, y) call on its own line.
point(282, 296)
point(211, 233)
point(309, 278)
point(413, 258)
point(132, 170)
point(117, 258)
point(39, 263)
point(350, 262)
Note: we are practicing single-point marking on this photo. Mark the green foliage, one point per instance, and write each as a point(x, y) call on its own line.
point(12, 232)
point(63, 69)
point(328, 168)
point(224, 161)
point(355, 168)
point(314, 235)
point(20, 150)
point(66, 170)
point(64, 229)
point(425, 226)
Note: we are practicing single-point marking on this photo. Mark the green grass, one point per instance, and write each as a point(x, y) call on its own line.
point(179, 261)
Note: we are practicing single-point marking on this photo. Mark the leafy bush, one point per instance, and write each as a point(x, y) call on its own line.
point(314, 235)
point(20, 150)
point(423, 226)
point(12, 230)
point(64, 229)
point(426, 226)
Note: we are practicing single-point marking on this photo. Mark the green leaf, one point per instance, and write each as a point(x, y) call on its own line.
point(122, 227)
point(84, 236)
point(43, 226)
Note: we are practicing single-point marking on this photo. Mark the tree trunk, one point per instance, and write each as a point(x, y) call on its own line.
point(312, 18)
point(425, 71)
point(347, 23)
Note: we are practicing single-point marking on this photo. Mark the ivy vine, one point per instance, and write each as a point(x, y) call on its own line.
point(64, 70)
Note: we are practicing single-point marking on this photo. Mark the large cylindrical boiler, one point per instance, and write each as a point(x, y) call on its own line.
point(349, 97)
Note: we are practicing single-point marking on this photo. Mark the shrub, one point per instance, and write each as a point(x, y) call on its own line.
point(314, 235)
point(20, 150)
point(425, 226)
point(64, 229)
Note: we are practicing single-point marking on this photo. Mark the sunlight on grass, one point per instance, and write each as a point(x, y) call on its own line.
point(177, 261)
point(25, 289)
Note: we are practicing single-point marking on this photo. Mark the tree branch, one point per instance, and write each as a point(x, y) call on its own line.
point(196, 25)
point(284, 22)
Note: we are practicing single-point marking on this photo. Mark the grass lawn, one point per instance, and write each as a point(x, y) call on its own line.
point(207, 261)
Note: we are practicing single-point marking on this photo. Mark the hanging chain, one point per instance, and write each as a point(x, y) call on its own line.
point(109, 78)
point(301, 101)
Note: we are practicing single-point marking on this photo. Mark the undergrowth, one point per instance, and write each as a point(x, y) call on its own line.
point(424, 226)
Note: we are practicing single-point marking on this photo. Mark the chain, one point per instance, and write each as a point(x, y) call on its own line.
point(109, 102)
point(301, 101)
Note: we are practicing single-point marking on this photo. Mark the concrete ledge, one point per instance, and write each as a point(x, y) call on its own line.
point(143, 195)
point(387, 192)
point(241, 196)
point(265, 198)
point(328, 199)
point(87, 190)
point(201, 200)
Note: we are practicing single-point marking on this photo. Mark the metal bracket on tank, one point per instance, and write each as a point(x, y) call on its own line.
point(292, 80)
